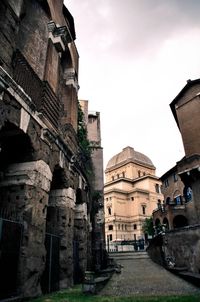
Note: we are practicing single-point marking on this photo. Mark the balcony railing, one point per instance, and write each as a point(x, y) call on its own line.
point(50, 105)
point(25, 76)
point(39, 91)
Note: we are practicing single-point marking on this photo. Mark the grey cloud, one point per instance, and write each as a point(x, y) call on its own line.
point(133, 26)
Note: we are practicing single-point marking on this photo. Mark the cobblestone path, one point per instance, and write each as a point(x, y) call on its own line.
point(140, 276)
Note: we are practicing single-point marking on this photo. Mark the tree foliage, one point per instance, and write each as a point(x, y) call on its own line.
point(148, 226)
point(82, 134)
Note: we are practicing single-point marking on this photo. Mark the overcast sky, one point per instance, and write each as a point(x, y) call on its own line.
point(135, 57)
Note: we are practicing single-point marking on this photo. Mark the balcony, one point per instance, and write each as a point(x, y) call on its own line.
point(39, 91)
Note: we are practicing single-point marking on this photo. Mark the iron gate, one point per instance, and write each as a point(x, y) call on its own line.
point(10, 241)
point(50, 277)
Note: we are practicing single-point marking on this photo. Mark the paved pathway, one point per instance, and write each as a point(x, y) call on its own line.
point(140, 276)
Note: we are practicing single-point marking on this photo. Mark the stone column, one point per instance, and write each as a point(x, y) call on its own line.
point(82, 229)
point(25, 187)
point(64, 201)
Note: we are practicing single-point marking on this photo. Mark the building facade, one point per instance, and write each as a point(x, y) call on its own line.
point(172, 213)
point(93, 125)
point(46, 205)
point(180, 244)
point(180, 185)
point(131, 193)
point(186, 109)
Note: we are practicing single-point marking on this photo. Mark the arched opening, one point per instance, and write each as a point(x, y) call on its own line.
point(168, 199)
point(180, 221)
point(166, 223)
point(15, 148)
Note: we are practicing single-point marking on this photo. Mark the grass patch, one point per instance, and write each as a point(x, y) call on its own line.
point(75, 295)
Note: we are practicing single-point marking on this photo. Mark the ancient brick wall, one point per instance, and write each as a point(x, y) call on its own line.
point(41, 168)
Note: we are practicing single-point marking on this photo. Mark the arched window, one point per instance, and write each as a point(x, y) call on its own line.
point(109, 211)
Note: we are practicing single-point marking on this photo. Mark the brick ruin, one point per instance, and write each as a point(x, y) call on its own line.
point(46, 208)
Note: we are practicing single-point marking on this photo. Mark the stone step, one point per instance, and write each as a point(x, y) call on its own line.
point(133, 255)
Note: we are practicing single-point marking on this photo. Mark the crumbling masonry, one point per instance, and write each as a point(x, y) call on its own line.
point(45, 208)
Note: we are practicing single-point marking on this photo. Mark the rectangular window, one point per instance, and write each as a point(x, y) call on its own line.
point(135, 226)
point(166, 182)
point(157, 187)
point(110, 237)
point(143, 210)
point(110, 227)
point(175, 177)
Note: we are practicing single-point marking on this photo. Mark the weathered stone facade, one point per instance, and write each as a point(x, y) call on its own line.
point(45, 202)
point(93, 125)
point(179, 247)
point(172, 212)
point(186, 109)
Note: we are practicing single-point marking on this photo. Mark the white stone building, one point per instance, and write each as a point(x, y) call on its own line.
point(131, 193)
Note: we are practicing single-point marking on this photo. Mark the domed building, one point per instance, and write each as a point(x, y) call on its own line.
point(131, 192)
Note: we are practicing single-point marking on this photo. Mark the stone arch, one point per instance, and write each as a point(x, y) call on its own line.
point(15, 146)
point(166, 223)
point(24, 183)
point(180, 221)
point(15, 151)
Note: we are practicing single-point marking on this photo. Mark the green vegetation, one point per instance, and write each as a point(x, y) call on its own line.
point(76, 295)
point(82, 135)
point(148, 226)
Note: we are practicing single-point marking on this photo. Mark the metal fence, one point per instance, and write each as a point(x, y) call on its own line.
point(50, 277)
point(10, 242)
